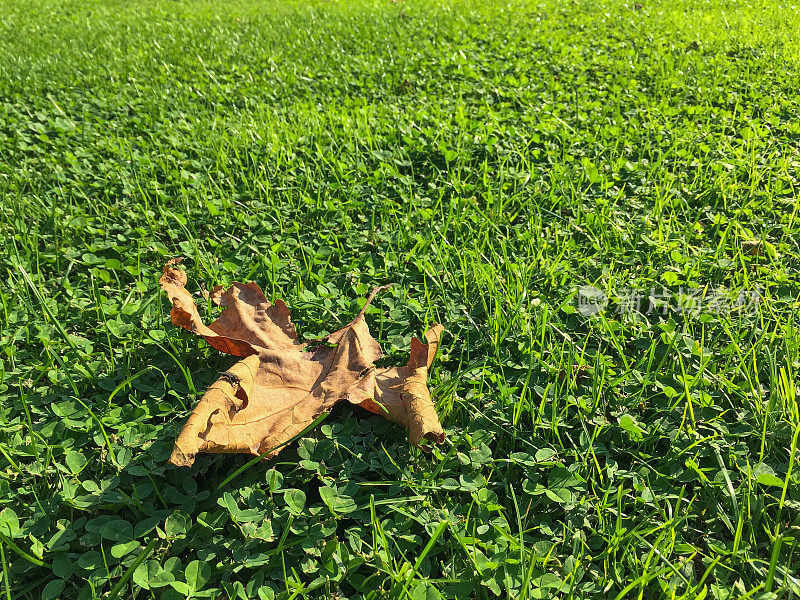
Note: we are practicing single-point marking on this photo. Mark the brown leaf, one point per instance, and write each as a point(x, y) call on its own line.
point(282, 385)
point(753, 247)
point(576, 374)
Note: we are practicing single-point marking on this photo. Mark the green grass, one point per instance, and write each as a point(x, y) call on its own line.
point(490, 159)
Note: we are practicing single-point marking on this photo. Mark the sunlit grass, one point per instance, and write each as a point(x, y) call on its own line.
point(496, 162)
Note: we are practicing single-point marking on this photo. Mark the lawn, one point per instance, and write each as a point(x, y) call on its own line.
point(598, 200)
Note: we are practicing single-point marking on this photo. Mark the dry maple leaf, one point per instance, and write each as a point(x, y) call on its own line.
point(281, 385)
